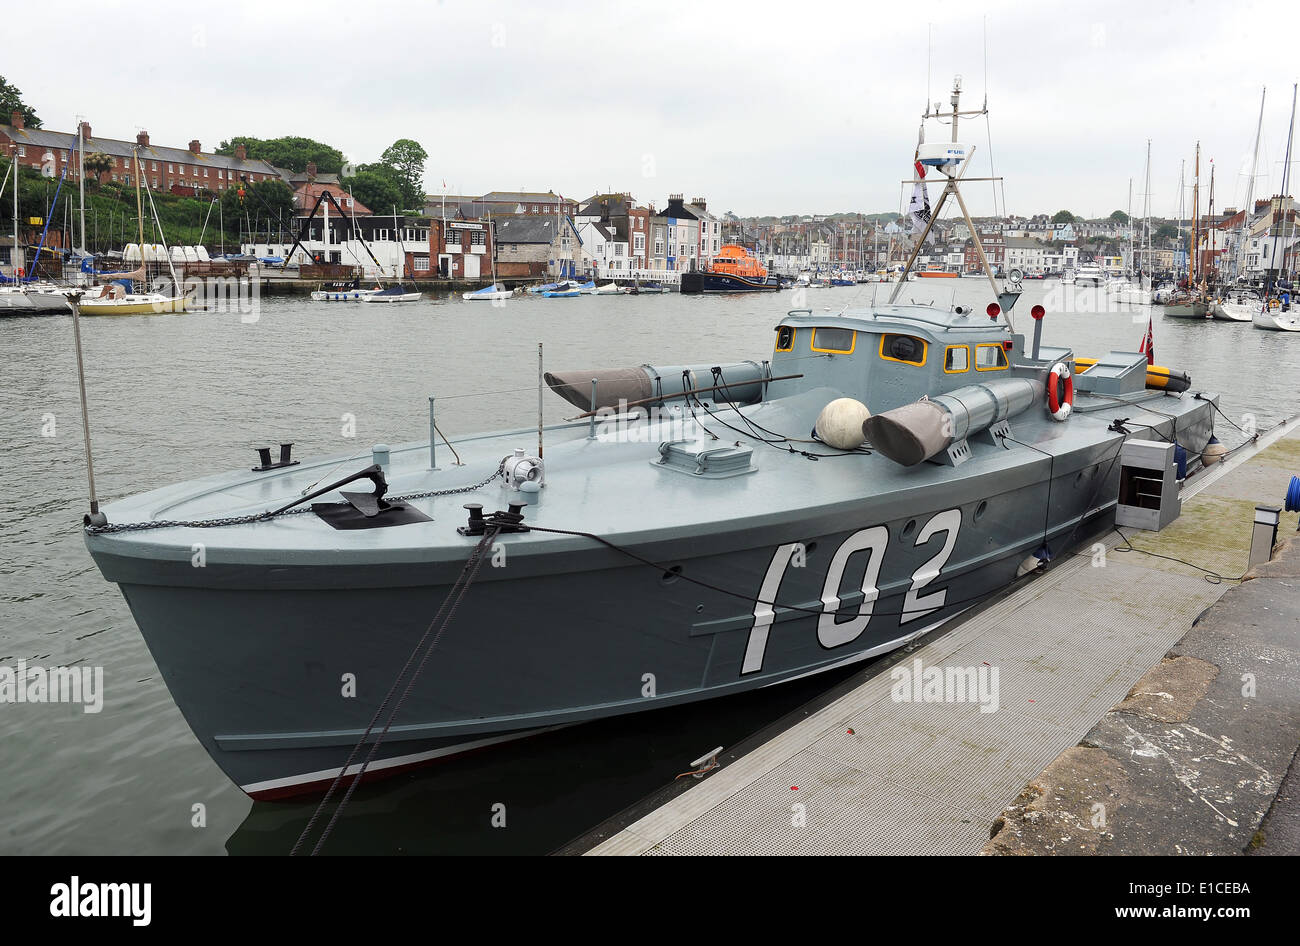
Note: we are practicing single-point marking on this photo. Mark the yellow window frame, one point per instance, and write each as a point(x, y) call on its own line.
point(794, 332)
point(998, 346)
point(925, 350)
point(836, 351)
point(949, 348)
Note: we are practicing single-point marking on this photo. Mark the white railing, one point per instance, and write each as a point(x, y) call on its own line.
point(643, 275)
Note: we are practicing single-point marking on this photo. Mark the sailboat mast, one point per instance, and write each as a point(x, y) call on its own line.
point(139, 215)
point(1196, 221)
point(1209, 234)
point(13, 166)
point(1146, 213)
point(1240, 264)
point(81, 177)
point(1129, 266)
point(1286, 181)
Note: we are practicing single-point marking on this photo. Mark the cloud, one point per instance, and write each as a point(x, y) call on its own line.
point(763, 107)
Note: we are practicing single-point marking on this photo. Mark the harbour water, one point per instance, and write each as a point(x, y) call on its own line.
point(176, 397)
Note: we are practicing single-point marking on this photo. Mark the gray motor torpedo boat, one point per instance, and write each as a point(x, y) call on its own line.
point(706, 542)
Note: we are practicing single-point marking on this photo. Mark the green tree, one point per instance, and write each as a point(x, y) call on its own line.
point(11, 99)
point(407, 157)
point(1119, 217)
point(290, 152)
point(378, 187)
point(1063, 216)
point(1166, 231)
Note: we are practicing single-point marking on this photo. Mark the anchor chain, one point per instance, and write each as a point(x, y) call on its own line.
point(114, 527)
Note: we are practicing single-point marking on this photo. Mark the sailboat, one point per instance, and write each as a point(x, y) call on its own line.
point(495, 291)
point(113, 299)
point(1242, 303)
point(1192, 303)
point(1277, 313)
point(24, 298)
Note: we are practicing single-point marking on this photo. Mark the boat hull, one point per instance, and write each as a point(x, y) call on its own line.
point(130, 307)
point(1275, 320)
point(701, 282)
point(381, 299)
point(34, 303)
point(347, 295)
point(259, 653)
point(1189, 310)
point(1233, 312)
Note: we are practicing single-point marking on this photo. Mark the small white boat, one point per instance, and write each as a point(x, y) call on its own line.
point(487, 294)
point(1273, 319)
point(1240, 309)
point(562, 293)
point(342, 293)
point(394, 294)
point(609, 289)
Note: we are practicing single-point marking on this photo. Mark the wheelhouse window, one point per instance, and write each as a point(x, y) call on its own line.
point(990, 358)
point(956, 359)
point(785, 338)
point(905, 348)
point(835, 341)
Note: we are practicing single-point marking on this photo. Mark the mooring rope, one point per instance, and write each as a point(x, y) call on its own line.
point(453, 598)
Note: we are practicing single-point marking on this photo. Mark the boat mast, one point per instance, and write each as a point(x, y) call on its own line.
point(1281, 202)
point(951, 188)
point(13, 166)
point(139, 216)
point(1129, 262)
point(1196, 243)
point(1240, 263)
point(81, 177)
point(1209, 226)
point(1146, 217)
point(1182, 190)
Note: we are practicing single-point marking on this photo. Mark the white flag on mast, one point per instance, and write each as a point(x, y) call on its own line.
point(919, 207)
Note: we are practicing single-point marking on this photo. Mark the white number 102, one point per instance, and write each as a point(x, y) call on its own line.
point(873, 541)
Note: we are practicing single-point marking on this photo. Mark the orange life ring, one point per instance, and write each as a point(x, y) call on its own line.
point(1060, 407)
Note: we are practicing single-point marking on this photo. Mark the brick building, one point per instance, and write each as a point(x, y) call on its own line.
point(182, 170)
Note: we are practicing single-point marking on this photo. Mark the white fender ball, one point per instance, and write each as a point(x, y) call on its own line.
point(1213, 452)
point(840, 423)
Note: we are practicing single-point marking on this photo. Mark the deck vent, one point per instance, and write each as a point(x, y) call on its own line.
point(706, 458)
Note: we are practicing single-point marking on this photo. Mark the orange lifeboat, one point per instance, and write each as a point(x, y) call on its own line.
point(733, 269)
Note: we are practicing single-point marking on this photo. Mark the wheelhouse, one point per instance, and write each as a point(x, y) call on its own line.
point(892, 355)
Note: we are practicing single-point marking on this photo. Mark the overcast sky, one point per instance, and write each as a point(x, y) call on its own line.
point(760, 107)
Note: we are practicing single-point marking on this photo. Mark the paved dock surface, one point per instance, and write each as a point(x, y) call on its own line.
point(867, 774)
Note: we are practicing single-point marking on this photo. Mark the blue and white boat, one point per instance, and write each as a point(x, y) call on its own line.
point(487, 294)
point(393, 294)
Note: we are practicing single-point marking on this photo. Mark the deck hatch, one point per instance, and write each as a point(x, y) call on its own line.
point(706, 458)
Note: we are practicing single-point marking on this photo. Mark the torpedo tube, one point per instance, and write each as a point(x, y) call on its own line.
point(920, 430)
point(739, 383)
